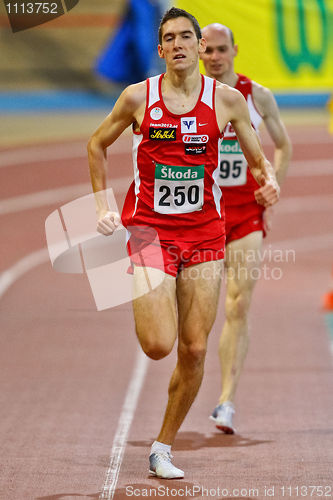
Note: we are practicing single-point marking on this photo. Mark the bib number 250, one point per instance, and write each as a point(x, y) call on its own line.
point(181, 195)
point(178, 189)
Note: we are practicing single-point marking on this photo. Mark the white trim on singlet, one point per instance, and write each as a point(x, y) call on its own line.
point(207, 95)
point(256, 118)
point(216, 189)
point(154, 94)
point(137, 138)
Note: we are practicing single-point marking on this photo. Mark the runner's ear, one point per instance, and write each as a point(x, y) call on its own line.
point(202, 46)
point(160, 51)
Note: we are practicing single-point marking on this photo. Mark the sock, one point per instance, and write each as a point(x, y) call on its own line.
point(157, 446)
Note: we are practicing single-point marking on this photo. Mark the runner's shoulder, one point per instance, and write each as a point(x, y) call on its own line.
point(263, 97)
point(134, 95)
point(228, 95)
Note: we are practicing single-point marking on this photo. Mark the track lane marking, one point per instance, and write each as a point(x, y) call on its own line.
point(49, 197)
point(78, 149)
point(124, 425)
point(27, 263)
point(51, 152)
point(21, 267)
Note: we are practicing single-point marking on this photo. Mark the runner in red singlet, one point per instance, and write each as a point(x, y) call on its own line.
point(177, 119)
point(246, 221)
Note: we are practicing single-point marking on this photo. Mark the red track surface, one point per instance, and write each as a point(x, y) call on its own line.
point(65, 368)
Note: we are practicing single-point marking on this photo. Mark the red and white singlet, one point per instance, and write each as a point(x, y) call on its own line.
point(235, 178)
point(176, 168)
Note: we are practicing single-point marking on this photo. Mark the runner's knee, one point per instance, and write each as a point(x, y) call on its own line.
point(156, 349)
point(192, 353)
point(237, 305)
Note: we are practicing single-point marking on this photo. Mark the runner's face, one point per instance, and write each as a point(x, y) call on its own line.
point(219, 56)
point(180, 46)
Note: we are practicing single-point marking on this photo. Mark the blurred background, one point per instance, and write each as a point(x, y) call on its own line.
point(59, 79)
point(80, 61)
point(64, 366)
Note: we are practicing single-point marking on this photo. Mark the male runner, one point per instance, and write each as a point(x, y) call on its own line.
point(246, 221)
point(177, 119)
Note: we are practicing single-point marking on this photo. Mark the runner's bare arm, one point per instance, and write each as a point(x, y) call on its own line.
point(125, 112)
point(232, 107)
point(267, 107)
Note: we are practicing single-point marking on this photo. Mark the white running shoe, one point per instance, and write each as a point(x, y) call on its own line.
point(222, 416)
point(160, 465)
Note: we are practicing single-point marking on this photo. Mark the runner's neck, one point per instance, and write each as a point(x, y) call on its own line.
point(230, 79)
point(182, 84)
point(180, 97)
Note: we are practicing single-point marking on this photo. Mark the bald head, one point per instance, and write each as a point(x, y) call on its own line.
point(220, 51)
point(215, 29)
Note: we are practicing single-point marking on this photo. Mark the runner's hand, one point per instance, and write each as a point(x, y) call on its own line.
point(269, 192)
point(108, 223)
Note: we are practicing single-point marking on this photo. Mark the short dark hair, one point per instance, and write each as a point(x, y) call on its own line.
point(173, 13)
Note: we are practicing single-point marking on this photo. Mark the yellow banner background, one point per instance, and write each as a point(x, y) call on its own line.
point(283, 44)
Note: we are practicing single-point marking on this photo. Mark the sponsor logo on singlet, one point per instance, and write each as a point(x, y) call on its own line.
point(231, 147)
point(195, 139)
point(156, 113)
point(182, 173)
point(195, 150)
point(188, 125)
point(162, 134)
point(163, 125)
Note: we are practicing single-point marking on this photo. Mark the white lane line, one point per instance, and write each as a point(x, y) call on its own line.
point(301, 138)
point(7, 279)
point(22, 156)
point(304, 243)
point(11, 275)
point(302, 168)
point(34, 259)
point(59, 195)
point(21, 267)
point(50, 152)
point(124, 425)
point(310, 168)
point(295, 204)
point(313, 203)
point(78, 149)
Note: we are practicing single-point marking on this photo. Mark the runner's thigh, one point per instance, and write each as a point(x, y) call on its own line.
point(198, 289)
point(154, 309)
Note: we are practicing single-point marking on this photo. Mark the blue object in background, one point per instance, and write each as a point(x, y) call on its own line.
point(130, 56)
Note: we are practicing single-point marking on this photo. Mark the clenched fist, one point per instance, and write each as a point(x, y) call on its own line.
point(108, 223)
point(269, 192)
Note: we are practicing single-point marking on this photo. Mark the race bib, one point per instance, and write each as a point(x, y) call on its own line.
point(178, 190)
point(233, 164)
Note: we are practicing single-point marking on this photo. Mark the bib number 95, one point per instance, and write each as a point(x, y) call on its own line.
point(232, 173)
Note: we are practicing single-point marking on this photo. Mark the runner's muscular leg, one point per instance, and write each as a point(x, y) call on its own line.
point(155, 311)
point(240, 283)
point(198, 290)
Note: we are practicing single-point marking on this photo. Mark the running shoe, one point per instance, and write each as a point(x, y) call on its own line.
point(222, 416)
point(160, 465)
